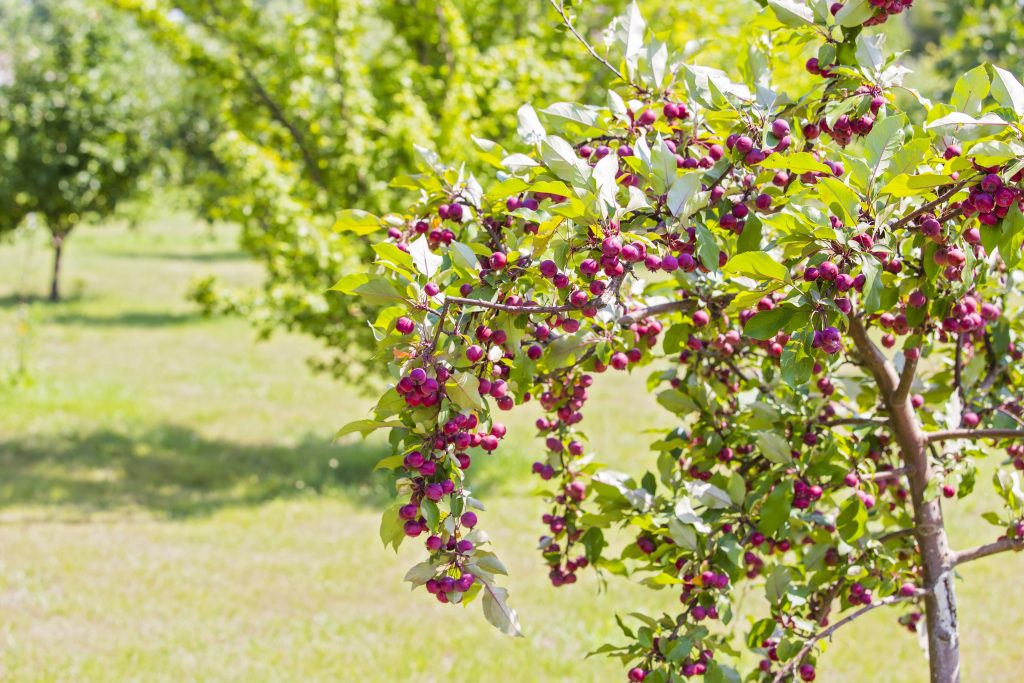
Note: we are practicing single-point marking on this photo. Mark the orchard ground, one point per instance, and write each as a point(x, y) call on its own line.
point(172, 507)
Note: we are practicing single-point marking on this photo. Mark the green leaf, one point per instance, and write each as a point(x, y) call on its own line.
point(707, 248)
point(629, 32)
point(390, 253)
point(391, 527)
point(884, 140)
point(392, 462)
point(464, 389)
point(684, 535)
point(905, 185)
point(775, 509)
point(497, 611)
point(872, 270)
point(529, 126)
point(840, 198)
point(854, 13)
point(870, 52)
point(364, 427)
point(970, 91)
point(593, 542)
point(676, 401)
point(796, 365)
point(853, 519)
point(757, 265)
point(426, 260)
point(359, 222)
point(792, 12)
point(1007, 90)
point(777, 583)
point(373, 288)
point(720, 673)
point(560, 157)
point(774, 447)
point(683, 189)
point(761, 631)
point(490, 562)
point(766, 324)
point(430, 512)
point(420, 573)
point(679, 649)
point(798, 162)
point(737, 489)
point(552, 187)
point(463, 256)
point(588, 116)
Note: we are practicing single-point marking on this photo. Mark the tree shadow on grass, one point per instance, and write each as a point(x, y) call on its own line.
point(12, 299)
point(197, 256)
point(129, 319)
point(171, 470)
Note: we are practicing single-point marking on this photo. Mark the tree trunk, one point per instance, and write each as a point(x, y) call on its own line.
point(936, 555)
point(58, 249)
point(929, 528)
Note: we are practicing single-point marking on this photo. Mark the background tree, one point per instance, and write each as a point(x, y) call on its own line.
point(323, 102)
point(953, 35)
point(78, 118)
point(828, 280)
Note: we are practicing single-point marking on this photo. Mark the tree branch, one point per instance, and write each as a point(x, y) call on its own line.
point(667, 307)
point(821, 635)
point(906, 379)
point(519, 309)
point(1000, 546)
point(854, 421)
point(440, 327)
point(880, 366)
point(278, 114)
point(892, 535)
point(885, 474)
point(560, 8)
point(958, 380)
point(974, 434)
point(941, 199)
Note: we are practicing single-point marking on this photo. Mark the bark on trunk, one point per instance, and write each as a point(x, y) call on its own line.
point(58, 249)
point(936, 556)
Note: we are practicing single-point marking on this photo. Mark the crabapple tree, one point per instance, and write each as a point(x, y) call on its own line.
point(823, 287)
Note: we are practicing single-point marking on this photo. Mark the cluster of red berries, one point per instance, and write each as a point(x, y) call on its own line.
point(991, 199)
point(419, 389)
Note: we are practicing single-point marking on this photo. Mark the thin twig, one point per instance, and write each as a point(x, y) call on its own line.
point(974, 434)
point(885, 474)
point(437, 333)
point(899, 533)
point(941, 199)
point(590, 48)
point(1000, 546)
point(854, 421)
point(656, 309)
point(892, 599)
point(958, 381)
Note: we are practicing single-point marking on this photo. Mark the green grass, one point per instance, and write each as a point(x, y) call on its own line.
point(172, 507)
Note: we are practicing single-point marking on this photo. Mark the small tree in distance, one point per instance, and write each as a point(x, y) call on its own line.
point(75, 126)
point(828, 280)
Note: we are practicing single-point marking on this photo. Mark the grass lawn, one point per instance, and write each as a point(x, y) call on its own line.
point(172, 508)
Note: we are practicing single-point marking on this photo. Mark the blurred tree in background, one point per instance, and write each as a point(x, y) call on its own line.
point(319, 103)
point(951, 36)
point(80, 115)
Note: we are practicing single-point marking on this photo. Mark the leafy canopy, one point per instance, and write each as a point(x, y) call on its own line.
point(822, 281)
